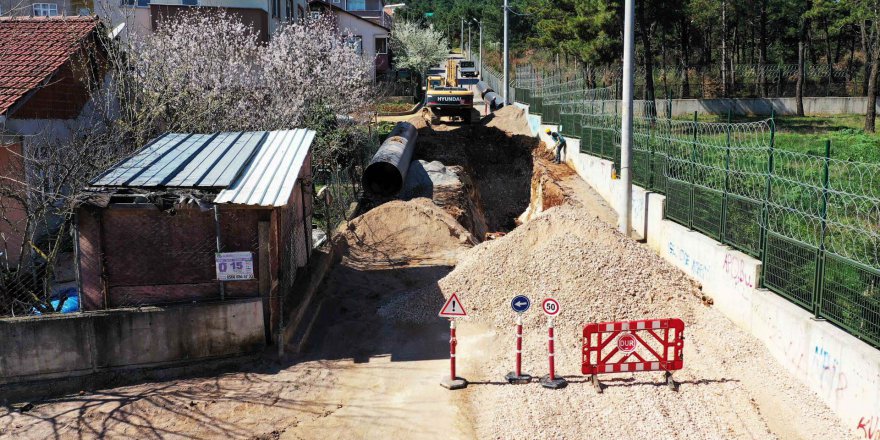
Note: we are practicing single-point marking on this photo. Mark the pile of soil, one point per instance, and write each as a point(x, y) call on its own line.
point(452, 189)
point(404, 233)
point(510, 119)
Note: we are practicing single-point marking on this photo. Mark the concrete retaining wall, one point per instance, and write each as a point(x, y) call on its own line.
point(40, 348)
point(764, 106)
point(841, 369)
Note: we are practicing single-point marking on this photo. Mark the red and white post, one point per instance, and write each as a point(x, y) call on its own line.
point(452, 343)
point(552, 354)
point(518, 345)
point(452, 382)
point(517, 375)
point(550, 380)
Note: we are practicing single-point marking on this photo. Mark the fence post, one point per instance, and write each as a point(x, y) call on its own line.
point(724, 197)
point(650, 159)
point(765, 217)
point(693, 169)
point(823, 215)
point(219, 243)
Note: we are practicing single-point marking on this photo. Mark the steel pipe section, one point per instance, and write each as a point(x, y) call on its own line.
point(494, 100)
point(386, 172)
point(483, 88)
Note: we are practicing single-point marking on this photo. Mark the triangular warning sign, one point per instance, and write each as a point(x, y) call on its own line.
point(452, 308)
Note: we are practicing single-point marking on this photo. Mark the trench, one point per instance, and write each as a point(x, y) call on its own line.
point(495, 169)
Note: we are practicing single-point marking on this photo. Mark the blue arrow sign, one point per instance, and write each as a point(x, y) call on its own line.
point(520, 303)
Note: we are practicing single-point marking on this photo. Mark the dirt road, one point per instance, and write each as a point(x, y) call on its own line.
point(367, 376)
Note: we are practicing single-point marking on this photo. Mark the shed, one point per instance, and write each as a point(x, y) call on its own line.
point(196, 217)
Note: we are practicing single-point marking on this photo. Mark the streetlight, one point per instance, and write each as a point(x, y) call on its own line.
point(506, 56)
point(480, 24)
point(461, 40)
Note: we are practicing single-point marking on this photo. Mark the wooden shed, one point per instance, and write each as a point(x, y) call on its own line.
point(199, 217)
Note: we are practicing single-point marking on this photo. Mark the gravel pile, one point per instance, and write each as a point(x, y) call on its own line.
point(595, 273)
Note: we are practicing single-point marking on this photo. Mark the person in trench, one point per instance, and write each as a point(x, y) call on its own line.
point(561, 147)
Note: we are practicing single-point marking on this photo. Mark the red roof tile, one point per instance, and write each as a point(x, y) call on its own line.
point(32, 48)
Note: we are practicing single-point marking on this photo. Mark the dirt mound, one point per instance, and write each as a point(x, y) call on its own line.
point(451, 188)
point(510, 119)
point(404, 233)
point(594, 272)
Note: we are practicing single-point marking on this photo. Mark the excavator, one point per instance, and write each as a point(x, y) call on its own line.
point(445, 97)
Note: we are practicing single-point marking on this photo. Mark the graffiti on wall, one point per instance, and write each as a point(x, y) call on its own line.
point(735, 267)
point(869, 427)
point(830, 375)
point(696, 267)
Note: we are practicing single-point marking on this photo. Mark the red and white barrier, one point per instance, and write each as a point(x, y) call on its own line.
point(633, 346)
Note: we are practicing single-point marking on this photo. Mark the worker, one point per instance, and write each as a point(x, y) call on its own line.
point(561, 146)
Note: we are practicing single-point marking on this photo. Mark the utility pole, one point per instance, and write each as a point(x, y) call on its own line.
point(480, 24)
point(469, 40)
point(461, 39)
point(626, 141)
point(506, 56)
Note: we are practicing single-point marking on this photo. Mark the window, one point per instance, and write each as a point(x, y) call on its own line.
point(189, 2)
point(45, 9)
point(381, 45)
point(288, 10)
point(357, 5)
point(138, 3)
point(356, 42)
point(301, 13)
point(316, 15)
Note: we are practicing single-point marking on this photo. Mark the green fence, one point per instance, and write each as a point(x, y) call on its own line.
point(813, 220)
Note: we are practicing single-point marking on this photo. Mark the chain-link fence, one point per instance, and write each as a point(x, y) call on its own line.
point(737, 81)
point(813, 220)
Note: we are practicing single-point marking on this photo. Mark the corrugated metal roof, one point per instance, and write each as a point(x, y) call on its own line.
point(270, 177)
point(251, 168)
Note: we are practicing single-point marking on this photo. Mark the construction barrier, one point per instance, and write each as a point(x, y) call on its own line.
point(633, 346)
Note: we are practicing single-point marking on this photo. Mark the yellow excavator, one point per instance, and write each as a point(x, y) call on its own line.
point(446, 98)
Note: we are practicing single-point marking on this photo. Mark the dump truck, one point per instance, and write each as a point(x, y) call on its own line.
point(445, 98)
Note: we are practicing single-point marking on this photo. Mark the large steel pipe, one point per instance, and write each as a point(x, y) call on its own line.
point(386, 172)
point(494, 100)
point(483, 88)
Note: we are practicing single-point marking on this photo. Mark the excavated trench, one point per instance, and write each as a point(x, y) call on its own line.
point(486, 175)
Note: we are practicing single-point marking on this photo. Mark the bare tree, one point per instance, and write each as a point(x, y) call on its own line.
point(197, 73)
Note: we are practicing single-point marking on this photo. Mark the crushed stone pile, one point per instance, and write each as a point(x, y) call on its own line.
point(594, 272)
point(404, 233)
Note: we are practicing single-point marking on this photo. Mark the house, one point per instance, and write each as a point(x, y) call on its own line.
point(264, 16)
point(373, 10)
point(48, 66)
point(199, 217)
point(44, 8)
point(370, 34)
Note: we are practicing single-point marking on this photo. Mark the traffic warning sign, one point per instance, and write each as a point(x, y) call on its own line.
point(452, 308)
point(550, 307)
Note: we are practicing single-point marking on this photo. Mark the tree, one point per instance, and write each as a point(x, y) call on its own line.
point(417, 47)
point(198, 73)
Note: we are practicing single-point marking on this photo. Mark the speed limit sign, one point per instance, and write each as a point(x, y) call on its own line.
point(550, 307)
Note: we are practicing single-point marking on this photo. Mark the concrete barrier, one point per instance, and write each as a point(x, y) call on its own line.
point(43, 348)
point(841, 369)
point(764, 106)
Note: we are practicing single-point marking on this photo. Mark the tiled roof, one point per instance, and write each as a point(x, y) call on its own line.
point(32, 48)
